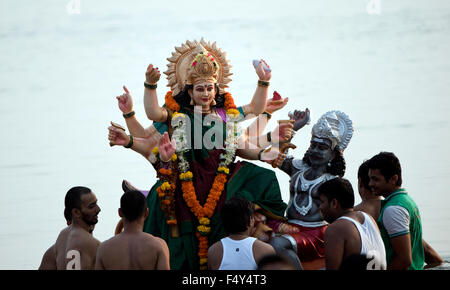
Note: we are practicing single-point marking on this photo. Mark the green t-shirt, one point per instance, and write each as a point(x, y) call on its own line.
point(402, 199)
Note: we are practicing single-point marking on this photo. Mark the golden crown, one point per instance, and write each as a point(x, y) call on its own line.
point(203, 68)
point(180, 69)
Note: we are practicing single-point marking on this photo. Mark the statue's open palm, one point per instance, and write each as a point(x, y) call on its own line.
point(117, 136)
point(276, 103)
point(166, 147)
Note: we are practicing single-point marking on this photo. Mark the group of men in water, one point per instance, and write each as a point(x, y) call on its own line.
point(382, 232)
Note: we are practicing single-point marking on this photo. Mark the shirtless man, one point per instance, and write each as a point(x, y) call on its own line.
point(75, 247)
point(370, 203)
point(48, 261)
point(133, 249)
point(350, 232)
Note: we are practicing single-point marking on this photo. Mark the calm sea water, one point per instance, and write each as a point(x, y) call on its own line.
point(60, 73)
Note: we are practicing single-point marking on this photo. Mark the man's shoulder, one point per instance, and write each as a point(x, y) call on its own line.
point(217, 244)
point(153, 241)
point(340, 228)
point(214, 248)
point(109, 242)
point(83, 239)
point(262, 246)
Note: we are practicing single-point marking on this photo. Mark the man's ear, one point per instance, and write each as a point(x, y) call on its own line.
point(146, 213)
point(76, 212)
point(120, 212)
point(359, 182)
point(334, 203)
point(393, 180)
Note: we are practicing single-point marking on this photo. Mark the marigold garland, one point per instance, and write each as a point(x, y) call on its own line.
point(166, 191)
point(229, 102)
point(170, 102)
point(204, 213)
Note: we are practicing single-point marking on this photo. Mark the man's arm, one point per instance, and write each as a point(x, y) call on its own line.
point(396, 223)
point(163, 257)
point(261, 249)
point(49, 259)
point(215, 253)
point(98, 259)
point(402, 248)
point(432, 258)
point(334, 247)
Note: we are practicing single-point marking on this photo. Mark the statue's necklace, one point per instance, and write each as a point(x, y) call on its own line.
point(306, 186)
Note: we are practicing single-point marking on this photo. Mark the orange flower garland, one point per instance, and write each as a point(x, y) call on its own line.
point(229, 102)
point(205, 212)
point(170, 102)
point(166, 193)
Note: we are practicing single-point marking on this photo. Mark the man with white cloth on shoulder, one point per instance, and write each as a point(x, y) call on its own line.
point(237, 251)
point(350, 232)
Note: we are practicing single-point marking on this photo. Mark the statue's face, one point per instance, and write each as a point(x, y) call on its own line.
point(320, 152)
point(203, 94)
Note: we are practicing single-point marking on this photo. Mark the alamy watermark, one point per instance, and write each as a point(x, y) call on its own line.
point(374, 7)
point(73, 7)
point(75, 260)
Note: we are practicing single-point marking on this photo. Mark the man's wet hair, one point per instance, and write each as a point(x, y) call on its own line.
point(280, 258)
point(236, 214)
point(133, 205)
point(388, 165)
point(363, 173)
point(340, 189)
point(73, 200)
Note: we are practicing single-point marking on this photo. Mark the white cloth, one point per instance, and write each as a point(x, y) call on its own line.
point(238, 254)
point(371, 242)
point(396, 220)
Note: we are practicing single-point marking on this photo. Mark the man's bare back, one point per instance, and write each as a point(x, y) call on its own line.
point(75, 249)
point(133, 251)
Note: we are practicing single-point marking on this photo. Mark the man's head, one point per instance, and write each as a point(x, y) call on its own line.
point(363, 180)
point(237, 215)
point(385, 173)
point(81, 206)
point(133, 206)
point(279, 261)
point(336, 196)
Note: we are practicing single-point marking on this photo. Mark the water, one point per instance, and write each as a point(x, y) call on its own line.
point(60, 74)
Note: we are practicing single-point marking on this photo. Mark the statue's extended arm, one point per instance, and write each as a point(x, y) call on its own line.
point(281, 133)
point(258, 103)
point(152, 109)
point(254, 132)
point(143, 146)
point(125, 102)
point(267, 155)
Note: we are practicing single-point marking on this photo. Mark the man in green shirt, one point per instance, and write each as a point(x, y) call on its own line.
point(399, 220)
